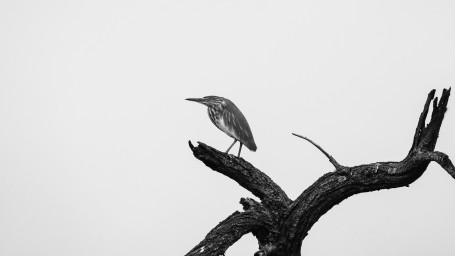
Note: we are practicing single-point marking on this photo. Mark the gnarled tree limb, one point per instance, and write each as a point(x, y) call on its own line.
point(281, 224)
point(255, 219)
point(245, 174)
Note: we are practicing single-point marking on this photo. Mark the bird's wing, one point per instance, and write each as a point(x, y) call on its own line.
point(238, 126)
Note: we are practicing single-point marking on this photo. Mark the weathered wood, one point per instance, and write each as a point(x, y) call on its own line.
point(280, 224)
point(245, 174)
point(255, 218)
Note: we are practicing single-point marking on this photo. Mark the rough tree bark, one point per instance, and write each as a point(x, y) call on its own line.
point(279, 223)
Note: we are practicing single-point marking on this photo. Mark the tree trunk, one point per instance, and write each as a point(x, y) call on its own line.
point(280, 224)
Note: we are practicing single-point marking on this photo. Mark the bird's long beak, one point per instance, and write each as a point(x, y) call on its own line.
point(199, 100)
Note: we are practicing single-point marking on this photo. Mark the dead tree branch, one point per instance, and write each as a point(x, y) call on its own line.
point(279, 224)
point(255, 219)
point(243, 173)
point(331, 159)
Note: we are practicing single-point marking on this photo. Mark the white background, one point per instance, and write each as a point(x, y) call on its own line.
point(94, 128)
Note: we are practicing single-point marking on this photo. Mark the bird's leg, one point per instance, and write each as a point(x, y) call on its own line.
point(240, 148)
point(235, 140)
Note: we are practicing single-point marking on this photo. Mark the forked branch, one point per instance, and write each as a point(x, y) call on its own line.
point(280, 224)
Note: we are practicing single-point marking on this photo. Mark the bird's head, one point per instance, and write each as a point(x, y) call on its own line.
point(210, 101)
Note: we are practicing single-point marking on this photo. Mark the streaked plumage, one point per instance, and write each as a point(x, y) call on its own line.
point(225, 115)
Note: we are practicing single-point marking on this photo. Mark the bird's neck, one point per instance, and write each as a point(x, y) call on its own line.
point(214, 116)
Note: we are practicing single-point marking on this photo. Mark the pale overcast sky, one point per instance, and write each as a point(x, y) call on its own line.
point(94, 128)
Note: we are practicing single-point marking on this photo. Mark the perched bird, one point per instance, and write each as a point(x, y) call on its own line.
point(225, 115)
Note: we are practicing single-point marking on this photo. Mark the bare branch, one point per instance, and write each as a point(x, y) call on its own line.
point(256, 219)
point(245, 174)
point(224, 235)
point(443, 160)
point(331, 159)
point(334, 187)
point(425, 137)
point(421, 122)
point(280, 224)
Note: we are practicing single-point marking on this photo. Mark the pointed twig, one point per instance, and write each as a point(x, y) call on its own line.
point(426, 136)
point(331, 159)
point(421, 124)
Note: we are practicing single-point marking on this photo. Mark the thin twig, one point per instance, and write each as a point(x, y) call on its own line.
point(331, 159)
